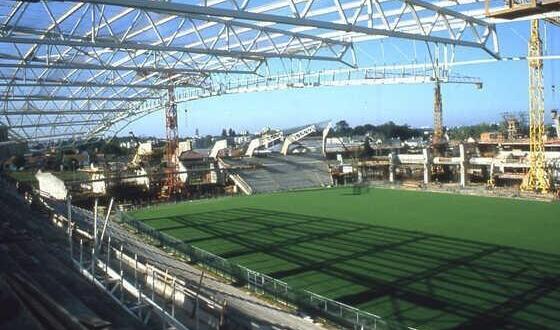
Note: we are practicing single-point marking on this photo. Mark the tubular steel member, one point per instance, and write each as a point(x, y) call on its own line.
point(537, 179)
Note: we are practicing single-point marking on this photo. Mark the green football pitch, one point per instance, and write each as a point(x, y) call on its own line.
point(429, 260)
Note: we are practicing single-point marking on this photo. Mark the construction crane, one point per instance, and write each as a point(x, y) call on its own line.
point(438, 141)
point(172, 182)
point(438, 115)
point(512, 122)
point(537, 178)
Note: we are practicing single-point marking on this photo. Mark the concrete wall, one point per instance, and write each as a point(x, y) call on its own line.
point(184, 146)
point(219, 145)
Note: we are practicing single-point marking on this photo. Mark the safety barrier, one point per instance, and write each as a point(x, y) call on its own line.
point(309, 302)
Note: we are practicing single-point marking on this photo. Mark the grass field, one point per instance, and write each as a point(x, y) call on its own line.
point(432, 261)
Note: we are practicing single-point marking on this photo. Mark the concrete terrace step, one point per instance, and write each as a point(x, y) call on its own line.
point(282, 173)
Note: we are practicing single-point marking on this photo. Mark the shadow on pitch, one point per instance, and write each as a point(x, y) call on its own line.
point(424, 280)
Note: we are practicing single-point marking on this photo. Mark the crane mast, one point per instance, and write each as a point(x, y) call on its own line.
point(537, 178)
point(438, 115)
point(172, 183)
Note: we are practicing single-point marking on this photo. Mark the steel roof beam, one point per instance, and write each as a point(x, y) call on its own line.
point(56, 124)
point(53, 136)
point(251, 55)
point(27, 81)
point(50, 112)
point(57, 34)
point(83, 66)
point(93, 85)
point(183, 9)
point(22, 98)
point(157, 34)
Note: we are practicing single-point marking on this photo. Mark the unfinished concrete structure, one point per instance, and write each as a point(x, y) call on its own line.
point(507, 162)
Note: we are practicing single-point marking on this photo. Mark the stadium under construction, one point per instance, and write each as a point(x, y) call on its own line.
point(315, 226)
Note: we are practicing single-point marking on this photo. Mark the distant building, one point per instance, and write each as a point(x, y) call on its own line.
point(415, 142)
point(492, 137)
point(394, 142)
point(199, 168)
point(190, 156)
point(127, 144)
point(242, 139)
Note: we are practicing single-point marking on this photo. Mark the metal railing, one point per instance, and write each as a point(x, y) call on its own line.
point(314, 304)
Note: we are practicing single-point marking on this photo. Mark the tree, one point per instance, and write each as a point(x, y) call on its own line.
point(359, 130)
point(224, 132)
point(113, 148)
point(342, 127)
point(204, 141)
point(367, 151)
point(474, 131)
point(383, 131)
point(231, 132)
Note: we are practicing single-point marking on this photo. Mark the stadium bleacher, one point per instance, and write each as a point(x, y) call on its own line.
point(283, 173)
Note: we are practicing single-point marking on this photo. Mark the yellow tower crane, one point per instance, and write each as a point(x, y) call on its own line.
point(537, 178)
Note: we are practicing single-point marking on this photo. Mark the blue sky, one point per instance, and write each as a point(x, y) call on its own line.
point(505, 89)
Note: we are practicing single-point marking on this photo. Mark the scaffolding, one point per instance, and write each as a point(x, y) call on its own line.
point(512, 123)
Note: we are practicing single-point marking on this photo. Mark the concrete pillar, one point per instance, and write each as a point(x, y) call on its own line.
point(462, 166)
point(392, 162)
point(427, 165)
point(324, 140)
